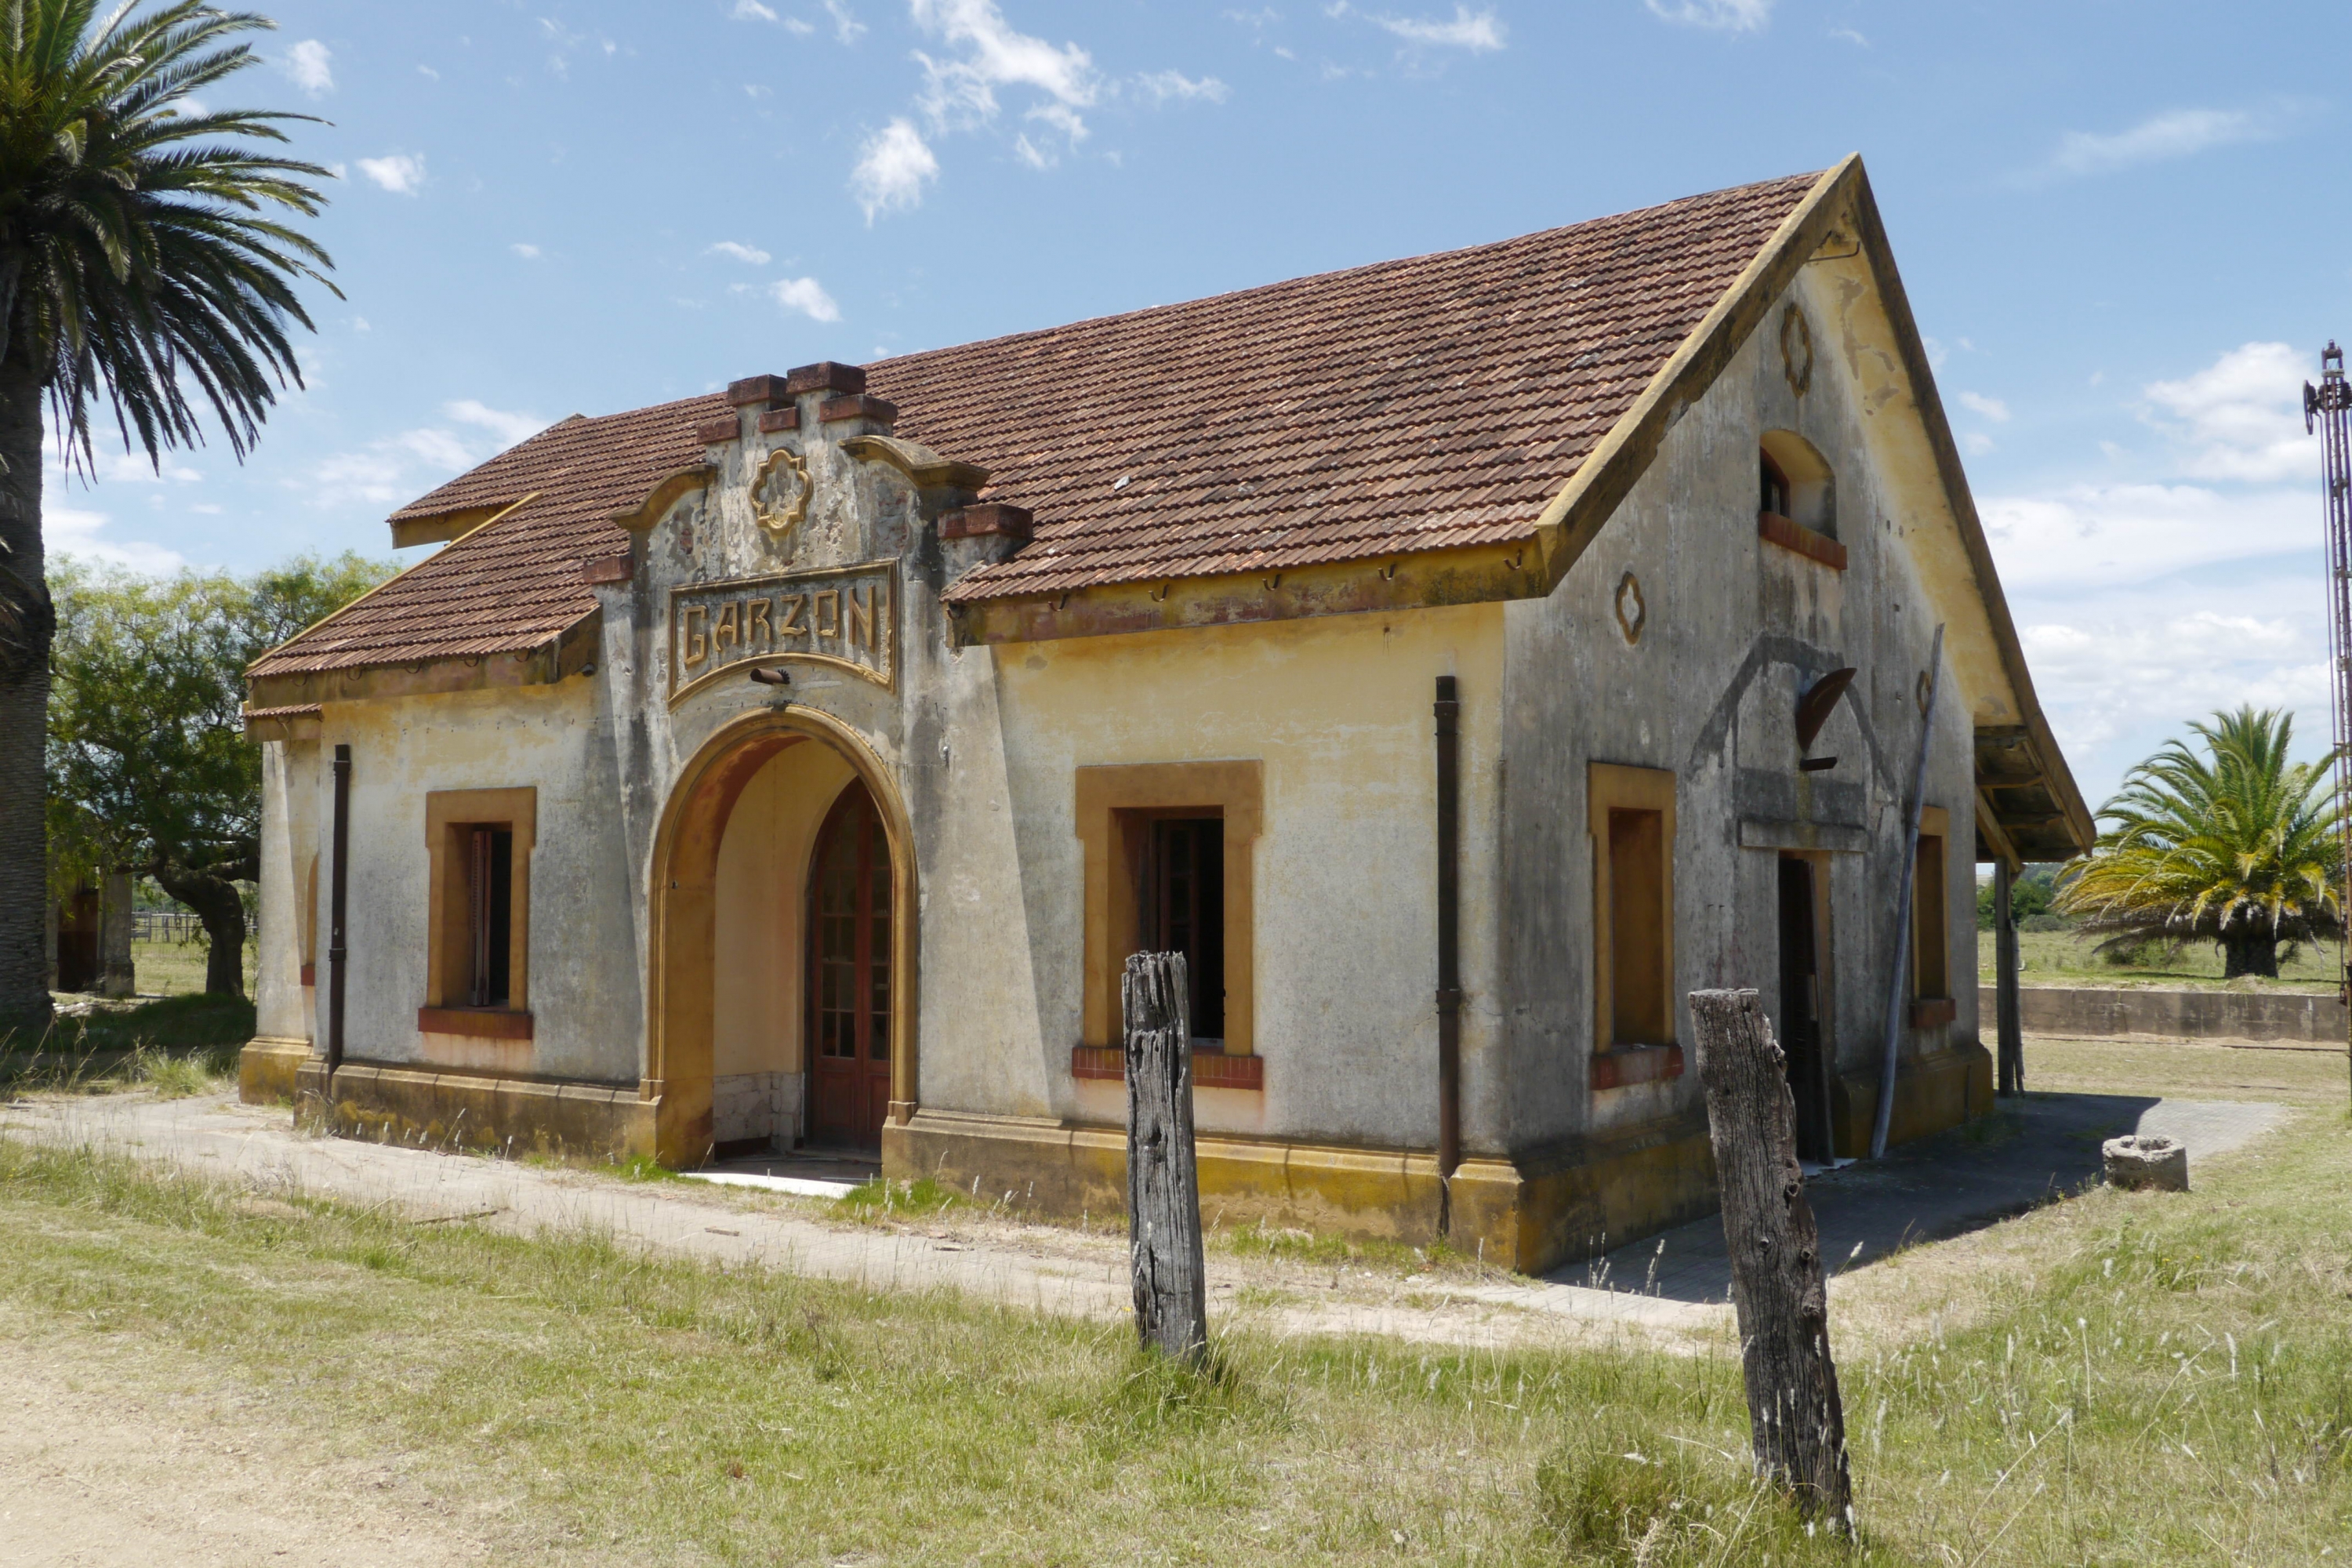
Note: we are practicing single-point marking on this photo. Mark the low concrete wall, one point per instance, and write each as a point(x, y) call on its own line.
point(2091, 1012)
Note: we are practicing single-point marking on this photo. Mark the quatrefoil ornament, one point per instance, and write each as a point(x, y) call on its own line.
point(1631, 613)
point(786, 472)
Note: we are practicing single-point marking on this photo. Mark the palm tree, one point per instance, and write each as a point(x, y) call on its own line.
point(2238, 847)
point(143, 263)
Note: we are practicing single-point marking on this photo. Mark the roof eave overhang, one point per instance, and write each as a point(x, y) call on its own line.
point(1400, 580)
point(557, 658)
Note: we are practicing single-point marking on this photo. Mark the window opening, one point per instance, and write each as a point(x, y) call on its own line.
point(1182, 895)
point(1775, 487)
point(490, 881)
point(1641, 1011)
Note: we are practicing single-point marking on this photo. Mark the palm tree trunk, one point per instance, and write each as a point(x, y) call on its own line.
point(2249, 952)
point(26, 622)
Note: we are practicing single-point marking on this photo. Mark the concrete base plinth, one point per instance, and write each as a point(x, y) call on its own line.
point(267, 1069)
point(478, 1110)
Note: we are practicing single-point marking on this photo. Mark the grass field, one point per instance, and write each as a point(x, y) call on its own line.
point(2061, 958)
point(2119, 1378)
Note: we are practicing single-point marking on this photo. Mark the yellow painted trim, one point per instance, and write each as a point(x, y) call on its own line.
point(1234, 790)
point(1614, 786)
point(445, 897)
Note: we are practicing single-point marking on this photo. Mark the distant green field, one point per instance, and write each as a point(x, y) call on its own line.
point(2061, 958)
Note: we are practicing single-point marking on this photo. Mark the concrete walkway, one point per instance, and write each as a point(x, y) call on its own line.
point(2042, 1147)
point(1044, 1269)
point(1672, 1288)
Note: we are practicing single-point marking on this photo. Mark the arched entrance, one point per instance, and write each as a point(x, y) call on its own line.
point(685, 910)
point(849, 991)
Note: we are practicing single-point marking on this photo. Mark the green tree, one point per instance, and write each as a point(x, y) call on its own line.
point(2238, 847)
point(149, 768)
point(143, 265)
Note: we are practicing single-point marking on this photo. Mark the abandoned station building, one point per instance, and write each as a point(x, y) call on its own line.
point(1460, 659)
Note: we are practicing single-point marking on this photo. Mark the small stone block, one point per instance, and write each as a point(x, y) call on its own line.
point(776, 419)
point(856, 406)
point(824, 376)
point(2160, 1165)
point(757, 389)
point(730, 429)
point(609, 568)
point(987, 518)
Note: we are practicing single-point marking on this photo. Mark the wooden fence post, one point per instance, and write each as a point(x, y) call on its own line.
point(1163, 1187)
point(1795, 1420)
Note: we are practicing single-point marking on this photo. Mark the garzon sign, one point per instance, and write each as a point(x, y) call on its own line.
point(842, 615)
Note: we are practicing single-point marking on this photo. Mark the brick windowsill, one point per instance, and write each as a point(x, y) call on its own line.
point(1621, 1065)
point(1210, 1069)
point(1811, 544)
point(480, 1023)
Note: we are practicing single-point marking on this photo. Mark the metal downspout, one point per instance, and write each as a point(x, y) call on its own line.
point(338, 899)
point(1449, 950)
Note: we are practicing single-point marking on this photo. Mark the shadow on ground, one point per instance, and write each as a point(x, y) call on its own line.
point(2027, 1153)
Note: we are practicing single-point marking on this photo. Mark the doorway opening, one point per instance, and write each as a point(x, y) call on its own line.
point(1801, 1034)
point(849, 975)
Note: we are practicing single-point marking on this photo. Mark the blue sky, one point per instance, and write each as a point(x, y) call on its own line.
point(2121, 225)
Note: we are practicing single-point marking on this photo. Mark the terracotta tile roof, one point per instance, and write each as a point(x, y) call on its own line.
point(510, 586)
point(1412, 405)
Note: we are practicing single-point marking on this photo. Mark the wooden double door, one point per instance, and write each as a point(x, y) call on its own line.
point(849, 984)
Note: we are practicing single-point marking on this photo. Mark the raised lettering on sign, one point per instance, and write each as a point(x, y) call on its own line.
point(845, 616)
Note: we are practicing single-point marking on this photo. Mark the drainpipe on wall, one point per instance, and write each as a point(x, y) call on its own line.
point(1449, 953)
point(338, 897)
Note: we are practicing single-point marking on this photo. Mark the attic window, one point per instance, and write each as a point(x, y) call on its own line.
point(1796, 482)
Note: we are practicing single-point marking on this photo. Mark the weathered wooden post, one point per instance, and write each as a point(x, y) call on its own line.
point(2008, 1036)
point(1795, 1420)
point(1164, 1188)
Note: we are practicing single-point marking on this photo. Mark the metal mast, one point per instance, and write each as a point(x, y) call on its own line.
point(2327, 408)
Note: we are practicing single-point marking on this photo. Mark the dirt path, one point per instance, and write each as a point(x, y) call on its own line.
point(1042, 1268)
point(101, 1463)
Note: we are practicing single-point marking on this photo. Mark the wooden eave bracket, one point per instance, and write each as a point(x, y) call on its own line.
point(1996, 838)
point(664, 495)
point(918, 462)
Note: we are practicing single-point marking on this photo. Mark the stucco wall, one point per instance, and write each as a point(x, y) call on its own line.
point(1735, 627)
point(583, 996)
point(289, 839)
point(1338, 712)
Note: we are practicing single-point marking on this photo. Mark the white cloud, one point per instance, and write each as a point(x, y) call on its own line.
point(961, 93)
point(751, 11)
point(398, 173)
point(1851, 35)
point(123, 468)
point(1029, 153)
point(308, 64)
point(892, 169)
point(398, 468)
point(806, 295)
point(2241, 417)
point(528, 252)
point(428, 73)
point(1161, 86)
point(2177, 133)
point(2118, 672)
point(846, 27)
point(1724, 16)
point(749, 253)
point(73, 534)
point(1476, 32)
point(1992, 408)
point(2109, 535)
point(505, 428)
point(1976, 442)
